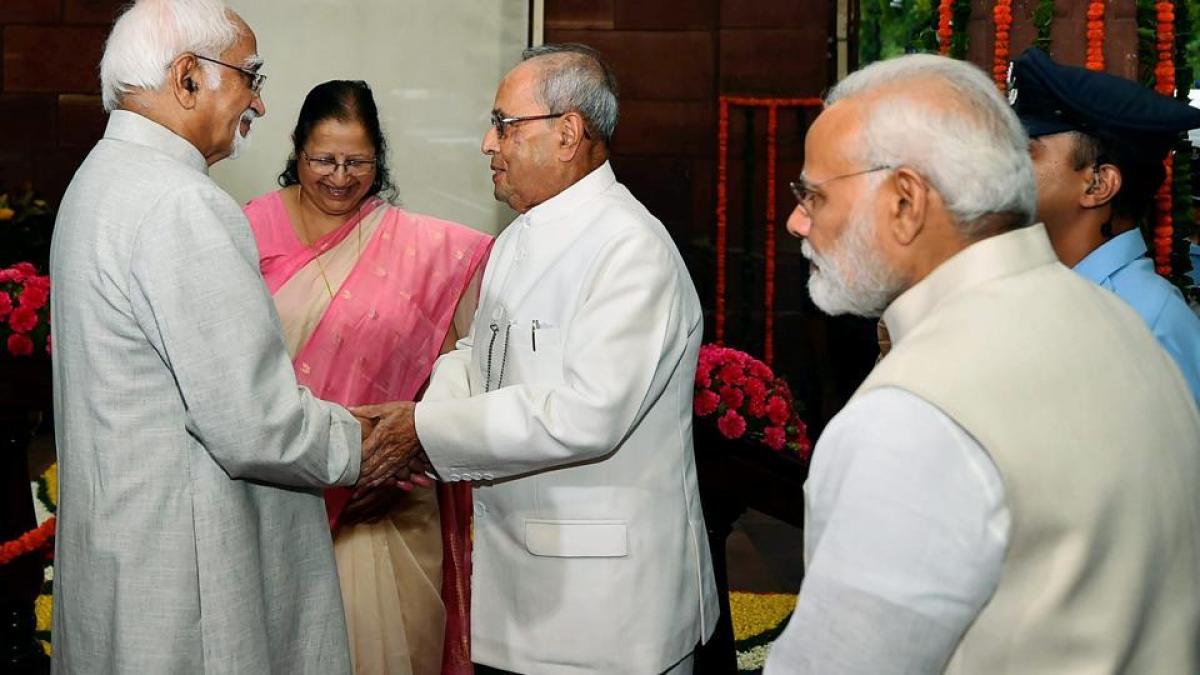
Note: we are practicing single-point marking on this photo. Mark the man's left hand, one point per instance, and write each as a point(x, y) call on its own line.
point(393, 451)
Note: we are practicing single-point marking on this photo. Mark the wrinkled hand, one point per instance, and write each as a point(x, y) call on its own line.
point(393, 452)
point(367, 424)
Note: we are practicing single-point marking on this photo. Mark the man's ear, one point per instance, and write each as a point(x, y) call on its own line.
point(572, 131)
point(908, 204)
point(184, 78)
point(1106, 182)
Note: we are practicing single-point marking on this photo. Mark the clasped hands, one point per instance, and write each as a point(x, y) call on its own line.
point(393, 461)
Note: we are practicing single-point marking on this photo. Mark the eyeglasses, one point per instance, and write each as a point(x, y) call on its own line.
point(253, 80)
point(500, 122)
point(806, 193)
point(327, 166)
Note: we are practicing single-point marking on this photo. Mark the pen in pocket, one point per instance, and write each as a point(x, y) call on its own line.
point(533, 334)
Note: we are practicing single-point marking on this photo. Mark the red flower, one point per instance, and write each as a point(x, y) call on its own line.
point(24, 270)
point(756, 389)
point(761, 370)
point(732, 397)
point(6, 304)
point(731, 425)
point(34, 297)
point(732, 374)
point(778, 410)
point(23, 319)
point(705, 403)
point(757, 407)
point(775, 437)
point(20, 345)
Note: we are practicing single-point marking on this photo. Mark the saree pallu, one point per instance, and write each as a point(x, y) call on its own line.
point(364, 323)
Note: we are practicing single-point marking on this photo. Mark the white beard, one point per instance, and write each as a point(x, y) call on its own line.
point(853, 278)
point(240, 142)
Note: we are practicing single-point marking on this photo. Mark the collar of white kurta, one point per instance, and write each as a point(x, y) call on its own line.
point(1002, 255)
point(124, 125)
point(567, 202)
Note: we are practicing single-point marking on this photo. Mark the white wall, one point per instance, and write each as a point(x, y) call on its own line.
point(433, 65)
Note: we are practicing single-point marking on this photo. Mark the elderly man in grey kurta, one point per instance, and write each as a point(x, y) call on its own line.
point(192, 533)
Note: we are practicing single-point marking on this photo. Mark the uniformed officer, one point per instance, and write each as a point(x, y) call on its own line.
point(1098, 143)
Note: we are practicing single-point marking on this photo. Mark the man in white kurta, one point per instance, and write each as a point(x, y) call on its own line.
point(1013, 488)
point(192, 535)
point(569, 407)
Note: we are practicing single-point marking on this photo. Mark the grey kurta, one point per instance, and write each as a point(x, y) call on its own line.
point(192, 536)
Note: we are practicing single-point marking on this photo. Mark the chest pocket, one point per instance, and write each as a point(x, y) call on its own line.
point(535, 354)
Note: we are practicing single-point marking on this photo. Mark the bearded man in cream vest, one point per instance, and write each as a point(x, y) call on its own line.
point(1014, 487)
point(569, 405)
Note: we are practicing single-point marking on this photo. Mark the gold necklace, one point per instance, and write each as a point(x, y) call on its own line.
point(309, 244)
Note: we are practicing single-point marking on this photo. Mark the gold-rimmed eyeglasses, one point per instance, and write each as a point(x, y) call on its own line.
point(327, 166)
point(806, 192)
point(254, 80)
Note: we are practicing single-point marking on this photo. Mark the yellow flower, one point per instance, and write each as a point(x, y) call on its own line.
point(51, 478)
point(41, 609)
point(7, 214)
point(756, 613)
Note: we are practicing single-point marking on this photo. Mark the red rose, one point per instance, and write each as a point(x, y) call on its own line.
point(20, 345)
point(23, 319)
point(775, 438)
point(732, 397)
point(34, 297)
point(778, 410)
point(8, 274)
point(6, 304)
point(26, 269)
point(42, 282)
point(704, 375)
point(705, 402)
point(732, 374)
point(731, 425)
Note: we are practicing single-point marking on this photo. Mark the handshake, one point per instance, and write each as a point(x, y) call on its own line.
point(393, 462)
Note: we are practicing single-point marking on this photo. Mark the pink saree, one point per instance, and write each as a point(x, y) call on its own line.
point(364, 324)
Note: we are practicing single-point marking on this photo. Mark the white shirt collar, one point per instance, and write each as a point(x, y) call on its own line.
point(568, 201)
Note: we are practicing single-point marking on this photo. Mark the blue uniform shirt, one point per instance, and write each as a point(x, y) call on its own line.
point(1195, 251)
point(1122, 267)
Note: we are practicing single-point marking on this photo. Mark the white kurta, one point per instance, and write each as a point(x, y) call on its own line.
point(192, 536)
point(571, 406)
point(905, 531)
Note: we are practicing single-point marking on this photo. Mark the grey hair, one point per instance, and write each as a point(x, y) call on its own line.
point(970, 146)
point(576, 78)
point(150, 34)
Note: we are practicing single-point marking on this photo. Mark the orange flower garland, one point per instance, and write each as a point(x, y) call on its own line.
point(945, 32)
point(30, 542)
point(1002, 13)
point(1164, 83)
point(1095, 36)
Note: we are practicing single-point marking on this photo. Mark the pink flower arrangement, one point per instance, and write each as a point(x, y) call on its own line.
point(24, 310)
point(747, 400)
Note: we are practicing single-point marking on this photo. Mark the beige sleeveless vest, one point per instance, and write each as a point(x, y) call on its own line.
point(1097, 439)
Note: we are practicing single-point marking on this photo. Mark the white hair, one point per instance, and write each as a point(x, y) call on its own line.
point(150, 34)
point(970, 146)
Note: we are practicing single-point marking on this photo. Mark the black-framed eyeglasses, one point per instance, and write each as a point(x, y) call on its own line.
point(327, 166)
point(806, 192)
point(253, 80)
point(500, 122)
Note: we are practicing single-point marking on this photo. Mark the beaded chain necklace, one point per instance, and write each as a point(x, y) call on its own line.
point(309, 237)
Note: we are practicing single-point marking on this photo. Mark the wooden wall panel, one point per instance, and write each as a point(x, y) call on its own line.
point(655, 65)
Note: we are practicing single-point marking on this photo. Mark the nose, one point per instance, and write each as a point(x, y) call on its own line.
point(258, 105)
point(799, 224)
point(491, 142)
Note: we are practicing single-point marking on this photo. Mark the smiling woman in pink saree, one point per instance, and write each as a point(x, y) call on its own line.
point(369, 295)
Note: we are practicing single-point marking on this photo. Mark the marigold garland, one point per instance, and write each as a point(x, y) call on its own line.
point(1164, 83)
point(769, 246)
point(1002, 14)
point(1094, 56)
point(31, 542)
point(772, 105)
point(945, 31)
